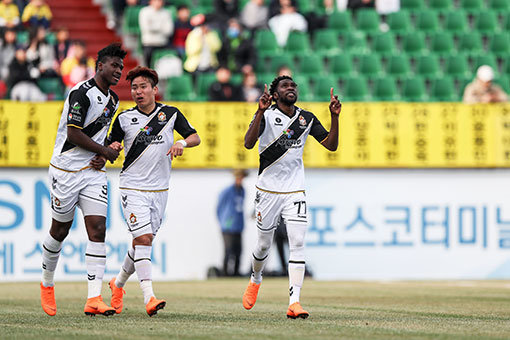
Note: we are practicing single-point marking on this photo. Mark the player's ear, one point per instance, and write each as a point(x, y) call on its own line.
point(155, 90)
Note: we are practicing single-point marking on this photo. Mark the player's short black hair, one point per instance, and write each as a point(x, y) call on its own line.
point(112, 50)
point(145, 72)
point(276, 81)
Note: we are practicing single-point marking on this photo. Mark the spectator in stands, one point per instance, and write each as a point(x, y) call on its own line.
point(156, 27)
point(357, 4)
point(251, 90)
point(237, 50)
point(276, 5)
point(331, 6)
point(182, 29)
point(37, 13)
point(22, 79)
point(254, 15)
point(62, 44)
point(8, 47)
point(77, 66)
point(385, 7)
point(9, 15)
point(202, 45)
point(284, 70)
point(288, 20)
point(225, 10)
point(482, 89)
point(41, 54)
point(222, 89)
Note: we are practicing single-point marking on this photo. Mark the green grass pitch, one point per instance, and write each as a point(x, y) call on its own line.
point(213, 310)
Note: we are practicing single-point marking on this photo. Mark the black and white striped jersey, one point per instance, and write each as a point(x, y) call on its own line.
point(147, 139)
point(281, 143)
point(89, 109)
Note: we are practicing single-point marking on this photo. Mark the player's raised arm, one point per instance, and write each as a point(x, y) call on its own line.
point(335, 107)
point(253, 131)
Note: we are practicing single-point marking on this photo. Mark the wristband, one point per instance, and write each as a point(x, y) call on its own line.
point(183, 142)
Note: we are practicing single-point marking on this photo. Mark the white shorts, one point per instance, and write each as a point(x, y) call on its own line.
point(87, 189)
point(269, 207)
point(143, 210)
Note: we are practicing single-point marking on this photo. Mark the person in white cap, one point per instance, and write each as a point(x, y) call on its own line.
point(482, 89)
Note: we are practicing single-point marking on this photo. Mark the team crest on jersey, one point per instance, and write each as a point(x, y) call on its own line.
point(56, 202)
point(132, 218)
point(302, 122)
point(161, 116)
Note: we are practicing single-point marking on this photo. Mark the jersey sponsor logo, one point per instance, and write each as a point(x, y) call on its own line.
point(124, 201)
point(302, 122)
point(76, 106)
point(278, 121)
point(53, 183)
point(134, 121)
point(106, 111)
point(286, 141)
point(146, 138)
point(132, 218)
point(99, 100)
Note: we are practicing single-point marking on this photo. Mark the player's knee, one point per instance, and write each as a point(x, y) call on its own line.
point(97, 232)
point(60, 230)
point(143, 240)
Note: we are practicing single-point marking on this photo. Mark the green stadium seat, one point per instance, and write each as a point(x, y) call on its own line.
point(208, 5)
point(326, 42)
point(398, 66)
point(52, 87)
point(506, 22)
point(399, 22)
point(367, 20)
point(310, 64)
point(298, 43)
point(180, 89)
point(499, 44)
point(355, 90)
point(441, 5)
point(470, 42)
point(456, 66)
point(158, 54)
point(442, 89)
point(131, 24)
point(413, 90)
point(22, 37)
point(413, 43)
point(306, 6)
point(427, 21)
point(486, 22)
point(500, 6)
point(354, 42)
point(505, 65)
point(322, 87)
point(51, 38)
point(370, 65)
point(483, 58)
point(412, 4)
point(304, 91)
point(504, 82)
point(341, 65)
point(277, 61)
point(441, 43)
point(340, 21)
point(472, 6)
point(265, 43)
point(385, 89)
point(427, 66)
point(384, 43)
point(177, 3)
point(455, 21)
point(203, 82)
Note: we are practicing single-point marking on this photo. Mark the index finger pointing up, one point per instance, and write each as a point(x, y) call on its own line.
point(331, 92)
point(265, 88)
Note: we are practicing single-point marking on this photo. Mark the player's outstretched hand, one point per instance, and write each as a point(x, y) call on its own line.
point(98, 162)
point(116, 146)
point(334, 105)
point(110, 154)
point(176, 150)
point(265, 100)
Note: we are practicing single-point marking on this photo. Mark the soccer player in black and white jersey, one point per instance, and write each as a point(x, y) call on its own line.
point(282, 130)
point(78, 177)
point(148, 134)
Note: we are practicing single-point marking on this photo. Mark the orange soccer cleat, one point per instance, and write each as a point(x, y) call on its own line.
point(48, 300)
point(250, 295)
point(296, 311)
point(154, 305)
point(117, 295)
point(96, 305)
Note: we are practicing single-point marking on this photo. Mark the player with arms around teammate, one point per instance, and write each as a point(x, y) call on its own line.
point(148, 134)
point(282, 130)
point(76, 181)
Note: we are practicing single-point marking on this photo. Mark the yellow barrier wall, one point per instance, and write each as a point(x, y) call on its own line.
point(371, 135)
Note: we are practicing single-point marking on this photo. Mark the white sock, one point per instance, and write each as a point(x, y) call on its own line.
point(257, 267)
point(296, 278)
point(50, 255)
point(260, 254)
point(128, 268)
point(143, 269)
point(95, 260)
